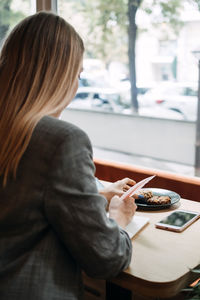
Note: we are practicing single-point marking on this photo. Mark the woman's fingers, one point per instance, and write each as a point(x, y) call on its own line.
point(126, 187)
point(122, 210)
point(130, 202)
point(129, 182)
point(125, 184)
point(117, 188)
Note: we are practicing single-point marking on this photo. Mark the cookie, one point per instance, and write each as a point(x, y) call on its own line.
point(147, 194)
point(159, 200)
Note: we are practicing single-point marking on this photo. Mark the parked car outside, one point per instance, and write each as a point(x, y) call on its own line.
point(96, 98)
point(178, 97)
point(168, 100)
point(88, 79)
point(157, 112)
point(107, 99)
point(160, 112)
point(124, 88)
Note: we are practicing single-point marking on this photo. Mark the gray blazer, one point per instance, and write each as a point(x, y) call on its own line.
point(53, 222)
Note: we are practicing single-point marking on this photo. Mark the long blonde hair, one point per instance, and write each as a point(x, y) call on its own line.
point(38, 65)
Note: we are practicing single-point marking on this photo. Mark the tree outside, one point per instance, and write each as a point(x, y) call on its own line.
point(111, 29)
point(11, 12)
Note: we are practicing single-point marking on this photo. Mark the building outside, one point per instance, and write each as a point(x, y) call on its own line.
point(171, 59)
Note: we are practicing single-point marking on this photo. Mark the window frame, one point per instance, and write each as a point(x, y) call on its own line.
point(50, 5)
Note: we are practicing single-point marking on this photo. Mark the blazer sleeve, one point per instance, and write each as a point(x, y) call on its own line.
point(76, 211)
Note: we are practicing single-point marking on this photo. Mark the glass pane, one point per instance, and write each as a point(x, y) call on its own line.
point(166, 72)
point(11, 12)
point(166, 80)
point(99, 77)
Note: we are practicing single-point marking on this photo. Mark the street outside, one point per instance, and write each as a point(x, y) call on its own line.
point(144, 162)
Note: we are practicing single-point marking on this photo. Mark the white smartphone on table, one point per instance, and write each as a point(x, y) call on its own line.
point(178, 220)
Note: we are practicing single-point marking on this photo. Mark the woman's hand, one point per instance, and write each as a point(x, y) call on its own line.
point(117, 188)
point(122, 211)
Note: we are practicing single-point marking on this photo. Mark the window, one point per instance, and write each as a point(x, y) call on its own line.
point(11, 12)
point(166, 73)
point(105, 82)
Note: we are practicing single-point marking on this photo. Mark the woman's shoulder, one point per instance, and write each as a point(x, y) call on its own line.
point(57, 129)
point(52, 135)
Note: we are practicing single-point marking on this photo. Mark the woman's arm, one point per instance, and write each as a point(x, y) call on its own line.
point(77, 212)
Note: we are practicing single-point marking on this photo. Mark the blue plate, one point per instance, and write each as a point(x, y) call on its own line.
point(159, 192)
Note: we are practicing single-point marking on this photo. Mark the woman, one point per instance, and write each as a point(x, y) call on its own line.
point(53, 221)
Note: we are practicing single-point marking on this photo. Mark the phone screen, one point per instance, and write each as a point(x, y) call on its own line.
point(178, 218)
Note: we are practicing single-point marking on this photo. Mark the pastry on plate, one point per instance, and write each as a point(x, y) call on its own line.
point(147, 197)
point(146, 193)
point(159, 200)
